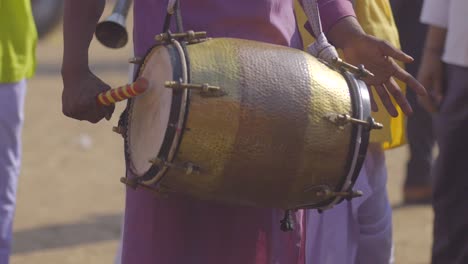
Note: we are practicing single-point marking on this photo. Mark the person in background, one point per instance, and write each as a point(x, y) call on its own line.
point(444, 71)
point(418, 182)
point(17, 63)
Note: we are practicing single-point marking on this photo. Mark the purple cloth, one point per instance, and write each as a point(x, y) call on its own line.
point(266, 20)
point(180, 230)
point(331, 11)
point(270, 21)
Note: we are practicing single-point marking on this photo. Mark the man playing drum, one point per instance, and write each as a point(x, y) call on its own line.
point(182, 230)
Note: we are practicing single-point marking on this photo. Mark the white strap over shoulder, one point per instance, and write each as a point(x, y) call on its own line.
point(321, 48)
point(170, 6)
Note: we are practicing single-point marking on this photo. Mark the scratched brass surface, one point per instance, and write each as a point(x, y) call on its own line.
point(266, 142)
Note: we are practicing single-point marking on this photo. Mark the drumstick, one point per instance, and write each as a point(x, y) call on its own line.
point(124, 92)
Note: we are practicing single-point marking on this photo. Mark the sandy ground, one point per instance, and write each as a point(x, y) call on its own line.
point(70, 200)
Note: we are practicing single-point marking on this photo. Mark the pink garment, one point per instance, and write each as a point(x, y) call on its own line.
point(179, 230)
point(186, 231)
point(331, 11)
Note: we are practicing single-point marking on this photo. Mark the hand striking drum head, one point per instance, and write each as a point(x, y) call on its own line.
point(150, 112)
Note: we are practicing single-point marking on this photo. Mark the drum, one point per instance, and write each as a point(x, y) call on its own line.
point(247, 123)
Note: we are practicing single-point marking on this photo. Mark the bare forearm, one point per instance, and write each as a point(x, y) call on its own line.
point(345, 31)
point(80, 19)
point(435, 40)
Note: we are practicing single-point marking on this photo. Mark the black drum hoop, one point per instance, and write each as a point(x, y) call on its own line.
point(174, 117)
point(361, 90)
point(360, 101)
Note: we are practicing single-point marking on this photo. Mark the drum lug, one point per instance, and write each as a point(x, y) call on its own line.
point(205, 89)
point(190, 37)
point(324, 192)
point(188, 167)
point(343, 119)
point(287, 224)
point(348, 195)
point(178, 129)
point(119, 130)
point(134, 183)
point(135, 60)
point(353, 194)
point(359, 71)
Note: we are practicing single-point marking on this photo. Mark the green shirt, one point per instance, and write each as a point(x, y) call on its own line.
point(17, 41)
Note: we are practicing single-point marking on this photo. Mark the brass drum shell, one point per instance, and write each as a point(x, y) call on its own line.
point(265, 142)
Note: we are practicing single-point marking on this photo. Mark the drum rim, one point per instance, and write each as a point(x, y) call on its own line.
point(178, 115)
point(364, 95)
point(134, 163)
point(360, 100)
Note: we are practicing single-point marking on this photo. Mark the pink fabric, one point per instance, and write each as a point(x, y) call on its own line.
point(331, 11)
point(180, 230)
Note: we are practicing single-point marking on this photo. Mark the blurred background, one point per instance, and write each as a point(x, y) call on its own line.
point(70, 199)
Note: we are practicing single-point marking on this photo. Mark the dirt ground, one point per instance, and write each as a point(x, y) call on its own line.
point(70, 200)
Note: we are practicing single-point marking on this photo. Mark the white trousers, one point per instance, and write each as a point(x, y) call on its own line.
point(11, 122)
point(357, 231)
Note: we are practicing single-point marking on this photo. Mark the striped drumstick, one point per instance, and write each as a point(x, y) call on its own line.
point(124, 92)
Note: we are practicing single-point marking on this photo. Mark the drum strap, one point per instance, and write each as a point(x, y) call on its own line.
point(321, 48)
point(173, 9)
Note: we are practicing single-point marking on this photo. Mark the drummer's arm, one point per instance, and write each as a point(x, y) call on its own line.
point(376, 54)
point(80, 19)
point(80, 85)
point(332, 11)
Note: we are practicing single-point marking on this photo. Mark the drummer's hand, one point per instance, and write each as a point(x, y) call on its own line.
point(377, 56)
point(80, 89)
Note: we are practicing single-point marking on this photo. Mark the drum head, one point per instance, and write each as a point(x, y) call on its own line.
point(149, 113)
